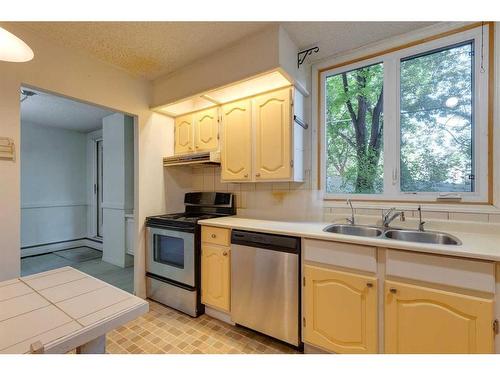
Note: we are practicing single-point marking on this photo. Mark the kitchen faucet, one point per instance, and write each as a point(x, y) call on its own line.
point(390, 215)
point(351, 219)
point(420, 222)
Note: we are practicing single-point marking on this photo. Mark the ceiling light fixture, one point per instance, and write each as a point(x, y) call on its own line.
point(13, 49)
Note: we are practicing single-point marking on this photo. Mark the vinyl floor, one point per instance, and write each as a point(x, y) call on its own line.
point(165, 330)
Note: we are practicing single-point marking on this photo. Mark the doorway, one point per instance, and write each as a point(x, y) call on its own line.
point(98, 187)
point(70, 213)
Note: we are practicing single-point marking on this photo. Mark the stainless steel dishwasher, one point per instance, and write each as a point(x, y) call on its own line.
point(265, 276)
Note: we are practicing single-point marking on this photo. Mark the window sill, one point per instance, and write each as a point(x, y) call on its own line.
point(410, 206)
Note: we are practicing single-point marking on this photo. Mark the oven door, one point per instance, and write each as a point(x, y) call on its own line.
point(170, 254)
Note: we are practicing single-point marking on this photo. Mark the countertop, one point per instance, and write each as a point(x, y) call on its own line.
point(479, 241)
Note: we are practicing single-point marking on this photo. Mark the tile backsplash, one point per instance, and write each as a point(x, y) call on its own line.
point(298, 201)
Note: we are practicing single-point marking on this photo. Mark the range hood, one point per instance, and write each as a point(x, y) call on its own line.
point(212, 157)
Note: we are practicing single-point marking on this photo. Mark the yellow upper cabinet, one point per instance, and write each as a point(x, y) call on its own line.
point(236, 143)
point(260, 139)
point(183, 134)
point(340, 310)
point(206, 130)
point(273, 125)
point(432, 321)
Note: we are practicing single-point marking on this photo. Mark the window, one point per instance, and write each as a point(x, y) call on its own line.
point(354, 128)
point(410, 124)
point(436, 120)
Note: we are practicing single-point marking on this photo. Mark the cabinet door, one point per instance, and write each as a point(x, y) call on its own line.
point(273, 123)
point(183, 134)
point(206, 130)
point(215, 276)
point(340, 310)
point(426, 320)
point(236, 149)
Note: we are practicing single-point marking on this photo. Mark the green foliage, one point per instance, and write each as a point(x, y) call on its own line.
point(354, 164)
point(436, 139)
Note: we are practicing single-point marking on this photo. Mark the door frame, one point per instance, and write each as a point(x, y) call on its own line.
point(92, 140)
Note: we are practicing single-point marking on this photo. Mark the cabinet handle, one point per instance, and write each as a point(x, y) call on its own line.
point(393, 290)
point(224, 253)
point(369, 285)
point(213, 235)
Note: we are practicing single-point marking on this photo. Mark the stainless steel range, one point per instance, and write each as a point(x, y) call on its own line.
point(173, 251)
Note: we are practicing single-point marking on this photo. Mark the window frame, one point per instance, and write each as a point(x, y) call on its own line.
point(391, 67)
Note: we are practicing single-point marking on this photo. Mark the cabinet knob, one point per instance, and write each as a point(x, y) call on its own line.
point(197, 146)
point(213, 235)
point(369, 285)
point(257, 175)
point(246, 175)
point(224, 253)
point(393, 290)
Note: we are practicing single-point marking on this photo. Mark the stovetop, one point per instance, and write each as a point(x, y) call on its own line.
point(199, 206)
point(183, 217)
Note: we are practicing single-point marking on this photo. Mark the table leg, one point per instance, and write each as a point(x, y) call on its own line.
point(96, 346)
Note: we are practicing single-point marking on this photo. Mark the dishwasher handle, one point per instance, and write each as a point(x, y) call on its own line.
point(267, 241)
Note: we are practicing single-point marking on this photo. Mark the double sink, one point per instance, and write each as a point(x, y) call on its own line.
point(428, 237)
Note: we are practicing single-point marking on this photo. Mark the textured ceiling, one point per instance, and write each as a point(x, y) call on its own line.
point(149, 49)
point(55, 111)
point(152, 49)
point(336, 37)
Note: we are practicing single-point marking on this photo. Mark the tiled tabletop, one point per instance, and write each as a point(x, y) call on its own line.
point(63, 309)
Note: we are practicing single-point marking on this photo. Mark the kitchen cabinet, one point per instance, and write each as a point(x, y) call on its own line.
point(215, 276)
point(183, 134)
point(215, 268)
point(340, 310)
point(426, 320)
point(206, 130)
point(236, 145)
point(273, 124)
point(260, 141)
point(197, 132)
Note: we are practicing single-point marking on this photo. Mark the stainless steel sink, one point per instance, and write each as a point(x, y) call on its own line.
point(354, 230)
point(422, 237)
point(439, 238)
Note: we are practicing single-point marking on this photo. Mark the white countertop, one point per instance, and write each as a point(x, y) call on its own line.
point(477, 242)
point(63, 309)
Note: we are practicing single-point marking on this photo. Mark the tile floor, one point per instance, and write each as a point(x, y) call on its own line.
point(164, 330)
point(84, 259)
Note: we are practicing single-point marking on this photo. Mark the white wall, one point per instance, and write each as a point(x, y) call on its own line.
point(53, 180)
point(69, 72)
point(118, 192)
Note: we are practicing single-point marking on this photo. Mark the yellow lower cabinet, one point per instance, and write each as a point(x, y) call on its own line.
point(427, 320)
point(340, 310)
point(215, 276)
